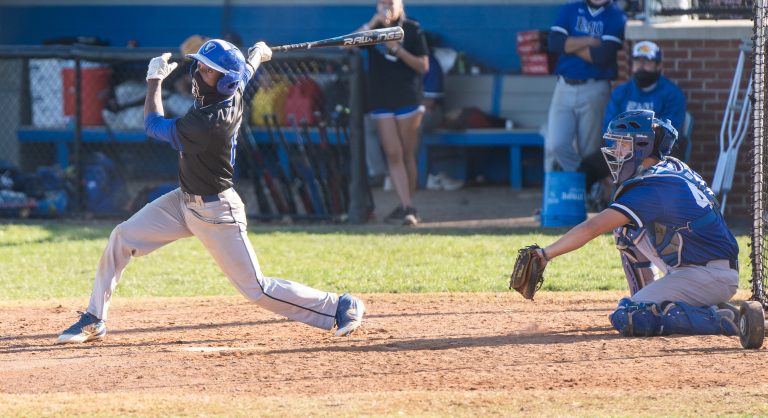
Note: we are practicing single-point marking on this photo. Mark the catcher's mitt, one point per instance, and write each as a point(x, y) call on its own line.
point(528, 274)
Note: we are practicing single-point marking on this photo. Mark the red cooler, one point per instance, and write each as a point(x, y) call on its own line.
point(95, 83)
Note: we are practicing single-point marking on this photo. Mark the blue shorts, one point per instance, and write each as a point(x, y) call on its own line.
point(399, 113)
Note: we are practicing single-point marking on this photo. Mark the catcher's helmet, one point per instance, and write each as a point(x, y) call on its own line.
point(633, 136)
point(225, 58)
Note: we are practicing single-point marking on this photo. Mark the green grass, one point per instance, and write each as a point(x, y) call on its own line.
point(53, 260)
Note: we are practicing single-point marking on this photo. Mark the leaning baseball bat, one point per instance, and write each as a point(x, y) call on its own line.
point(363, 38)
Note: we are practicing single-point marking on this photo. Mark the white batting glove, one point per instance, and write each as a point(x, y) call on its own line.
point(259, 53)
point(159, 67)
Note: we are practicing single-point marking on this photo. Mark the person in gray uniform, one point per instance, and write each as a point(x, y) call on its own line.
point(586, 36)
point(206, 205)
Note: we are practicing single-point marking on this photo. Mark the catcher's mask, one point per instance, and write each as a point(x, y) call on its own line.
point(225, 58)
point(633, 136)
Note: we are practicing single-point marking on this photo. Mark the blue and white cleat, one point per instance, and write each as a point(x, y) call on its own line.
point(87, 328)
point(349, 314)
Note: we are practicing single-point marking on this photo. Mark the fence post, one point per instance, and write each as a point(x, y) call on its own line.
point(359, 191)
point(78, 127)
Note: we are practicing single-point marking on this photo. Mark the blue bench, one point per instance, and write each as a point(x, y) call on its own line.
point(514, 139)
point(63, 138)
point(520, 98)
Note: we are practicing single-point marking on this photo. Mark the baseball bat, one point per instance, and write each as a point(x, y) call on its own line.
point(285, 181)
point(310, 157)
point(301, 185)
point(269, 181)
point(362, 38)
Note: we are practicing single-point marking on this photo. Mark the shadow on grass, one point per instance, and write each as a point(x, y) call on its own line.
point(68, 230)
point(63, 231)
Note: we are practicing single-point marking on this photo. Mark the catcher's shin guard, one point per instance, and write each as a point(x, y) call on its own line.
point(682, 318)
point(634, 319)
point(637, 319)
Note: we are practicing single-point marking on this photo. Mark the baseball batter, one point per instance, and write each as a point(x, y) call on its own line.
point(205, 205)
point(586, 35)
point(679, 257)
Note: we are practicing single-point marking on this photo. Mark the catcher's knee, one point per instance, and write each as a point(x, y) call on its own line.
point(639, 319)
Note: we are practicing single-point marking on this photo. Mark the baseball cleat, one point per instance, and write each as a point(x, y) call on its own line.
point(87, 328)
point(349, 314)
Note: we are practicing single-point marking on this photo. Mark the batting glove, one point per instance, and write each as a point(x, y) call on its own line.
point(159, 67)
point(259, 53)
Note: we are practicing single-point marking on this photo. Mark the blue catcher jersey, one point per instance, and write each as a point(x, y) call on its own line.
point(672, 203)
point(606, 23)
point(665, 99)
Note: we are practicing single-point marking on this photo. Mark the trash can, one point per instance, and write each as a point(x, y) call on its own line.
point(563, 200)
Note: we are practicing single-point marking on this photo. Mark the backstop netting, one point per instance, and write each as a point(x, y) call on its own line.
point(758, 253)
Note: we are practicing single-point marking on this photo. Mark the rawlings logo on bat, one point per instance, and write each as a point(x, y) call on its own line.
point(363, 40)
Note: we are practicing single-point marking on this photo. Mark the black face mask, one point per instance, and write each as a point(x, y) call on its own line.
point(646, 78)
point(204, 94)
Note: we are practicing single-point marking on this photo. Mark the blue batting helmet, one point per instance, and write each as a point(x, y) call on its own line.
point(633, 136)
point(225, 58)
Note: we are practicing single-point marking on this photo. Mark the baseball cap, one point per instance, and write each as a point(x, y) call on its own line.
point(647, 49)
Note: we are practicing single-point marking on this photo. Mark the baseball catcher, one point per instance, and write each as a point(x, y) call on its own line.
point(528, 274)
point(679, 257)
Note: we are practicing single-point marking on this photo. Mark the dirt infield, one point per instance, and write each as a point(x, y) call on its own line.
point(434, 354)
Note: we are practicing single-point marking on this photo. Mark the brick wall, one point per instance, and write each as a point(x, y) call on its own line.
point(704, 70)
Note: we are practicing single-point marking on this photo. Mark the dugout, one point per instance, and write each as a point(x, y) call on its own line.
point(702, 53)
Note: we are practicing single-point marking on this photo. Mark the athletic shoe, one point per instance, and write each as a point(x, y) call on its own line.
point(729, 310)
point(411, 216)
point(442, 181)
point(396, 215)
point(349, 314)
point(729, 318)
point(433, 182)
point(87, 328)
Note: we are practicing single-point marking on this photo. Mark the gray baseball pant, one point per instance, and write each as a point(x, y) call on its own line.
point(575, 123)
point(695, 285)
point(221, 227)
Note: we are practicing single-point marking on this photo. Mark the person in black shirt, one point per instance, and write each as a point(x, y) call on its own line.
point(205, 205)
point(394, 97)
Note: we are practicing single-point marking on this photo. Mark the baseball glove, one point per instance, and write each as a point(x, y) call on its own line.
point(528, 274)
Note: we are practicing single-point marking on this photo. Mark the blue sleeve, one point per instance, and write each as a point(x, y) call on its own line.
point(556, 42)
point(563, 21)
point(162, 129)
point(605, 54)
point(641, 204)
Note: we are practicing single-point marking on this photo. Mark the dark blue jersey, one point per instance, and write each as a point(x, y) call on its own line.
point(578, 20)
point(665, 98)
point(206, 139)
point(674, 206)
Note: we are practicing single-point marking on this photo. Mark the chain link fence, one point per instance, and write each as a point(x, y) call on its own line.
point(74, 142)
point(689, 9)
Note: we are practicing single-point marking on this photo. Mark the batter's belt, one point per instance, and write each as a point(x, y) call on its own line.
point(200, 199)
point(574, 82)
